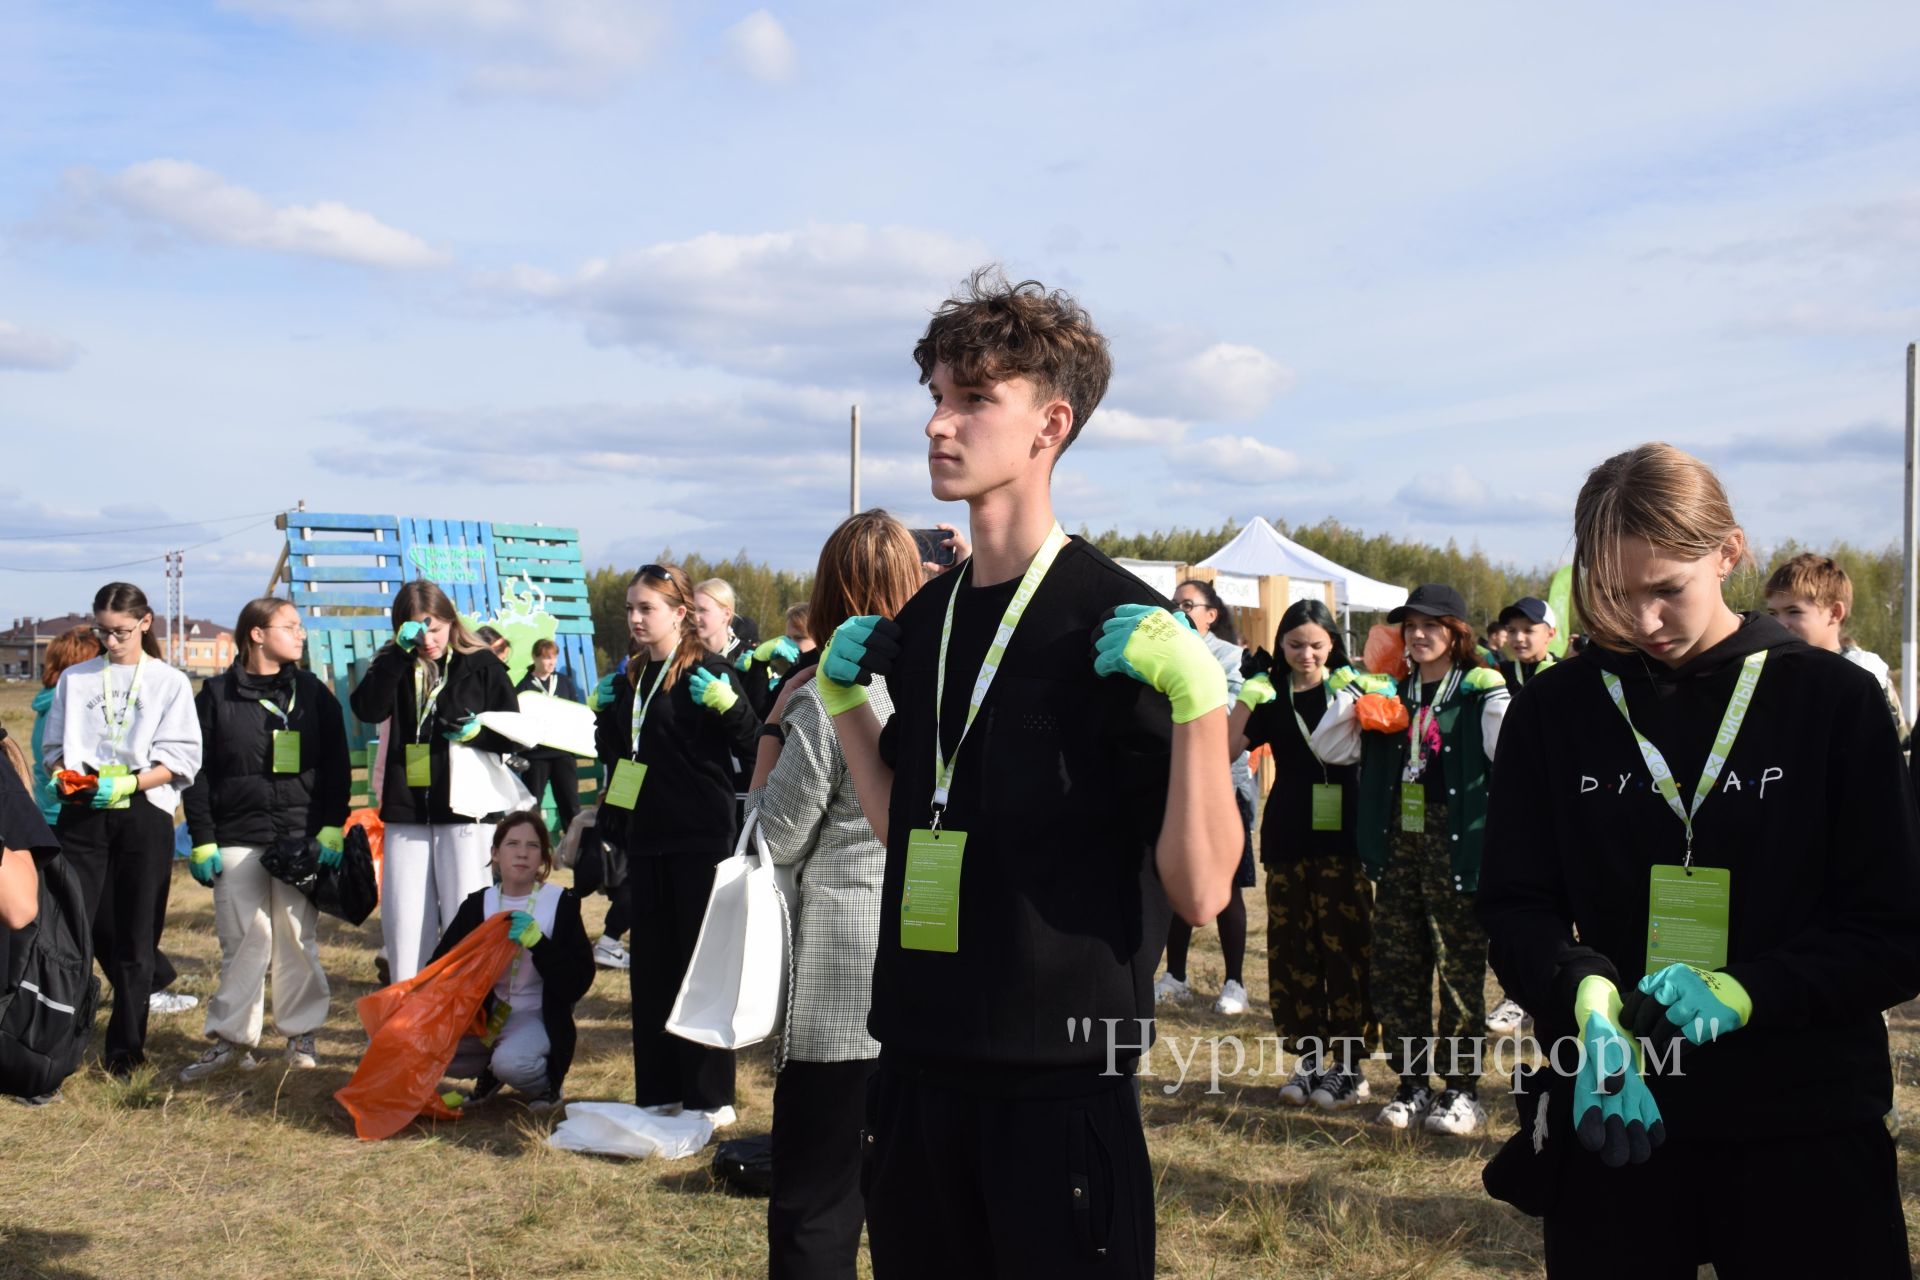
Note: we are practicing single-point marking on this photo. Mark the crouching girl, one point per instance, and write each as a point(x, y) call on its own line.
point(531, 1033)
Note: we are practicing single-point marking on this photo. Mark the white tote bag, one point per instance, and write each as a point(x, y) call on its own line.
point(736, 982)
point(479, 783)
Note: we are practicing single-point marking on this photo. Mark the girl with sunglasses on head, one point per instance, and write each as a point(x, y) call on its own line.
point(276, 770)
point(1214, 621)
point(668, 734)
point(126, 721)
point(431, 679)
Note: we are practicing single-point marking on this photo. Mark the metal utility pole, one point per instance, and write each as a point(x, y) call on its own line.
point(176, 609)
point(1910, 566)
point(853, 498)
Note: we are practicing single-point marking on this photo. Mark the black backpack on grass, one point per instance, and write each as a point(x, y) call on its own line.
point(49, 993)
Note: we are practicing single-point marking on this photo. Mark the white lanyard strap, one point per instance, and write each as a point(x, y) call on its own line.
point(1420, 723)
point(286, 716)
point(640, 705)
point(117, 729)
point(943, 765)
point(1306, 734)
point(425, 699)
point(1730, 722)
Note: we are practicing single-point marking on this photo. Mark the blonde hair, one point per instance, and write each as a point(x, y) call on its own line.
point(1656, 492)
point(1814, 577)
point(720, 589)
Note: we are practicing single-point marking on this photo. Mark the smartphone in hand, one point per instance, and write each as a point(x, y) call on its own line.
point(934, 547)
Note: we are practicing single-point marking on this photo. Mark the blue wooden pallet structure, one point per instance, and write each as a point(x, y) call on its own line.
point(342, 571)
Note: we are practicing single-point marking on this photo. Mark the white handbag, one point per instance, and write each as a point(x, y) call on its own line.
point(736, 984)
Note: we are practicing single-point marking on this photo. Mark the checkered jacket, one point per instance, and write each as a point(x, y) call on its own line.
point(813, 822)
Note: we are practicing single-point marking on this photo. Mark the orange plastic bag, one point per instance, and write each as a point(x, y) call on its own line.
point(1379, 713)
point(74, 783)
point(415, 1027)
point(376, 836)
point(1386, 651)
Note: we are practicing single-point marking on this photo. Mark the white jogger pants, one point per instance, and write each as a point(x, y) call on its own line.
point(266, 927)
point(426, 873)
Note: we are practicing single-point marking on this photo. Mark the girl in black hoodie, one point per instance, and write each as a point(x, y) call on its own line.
point(1707, 949)
point(431, 680)
point(275, 768)
point(668, 737)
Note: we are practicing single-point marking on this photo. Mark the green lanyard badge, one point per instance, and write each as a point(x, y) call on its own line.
point(930, 892)
point(623, 790)
point(286, 741)
point(1326, 793)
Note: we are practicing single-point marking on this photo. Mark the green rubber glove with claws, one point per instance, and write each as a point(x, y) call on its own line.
point(1145, 642)
point(1680, 1000)
point(715, 693)
point(113, 792)
point(409, 635)
point(1257, 692)
point(333, 843)
point(602, 692)
point(524, 929)
point(1614, 1114)
point(864, 646)
point(204, 863)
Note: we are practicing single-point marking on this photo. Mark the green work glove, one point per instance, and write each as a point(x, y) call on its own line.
point(715, 693)
point(1701, 1004)
point(1338, 680)
point(524, 929)
point(467, 730)
point(333, 842)
point(862, 647)
point(781, 647)
point(1143, 641)
point(1257, 692)
point(409, 635)
point(113, 790)
point(204, 863)
point(603, 692)
point(1614, 1114)
point(50, 792)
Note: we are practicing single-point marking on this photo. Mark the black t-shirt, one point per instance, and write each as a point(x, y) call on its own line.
point(1060, 788)
point(1286, 829)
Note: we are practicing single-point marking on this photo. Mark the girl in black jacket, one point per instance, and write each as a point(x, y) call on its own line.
point(274, 768)
point(1702, 877)
point(430, 680)
point(668, 737)
point(530, 1011)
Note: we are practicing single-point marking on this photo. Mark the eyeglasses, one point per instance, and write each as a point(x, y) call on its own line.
point(117, 633)
point(298, 628)
point(1188, 606)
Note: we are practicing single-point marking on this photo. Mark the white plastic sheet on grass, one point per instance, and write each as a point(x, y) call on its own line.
point(622, 1129)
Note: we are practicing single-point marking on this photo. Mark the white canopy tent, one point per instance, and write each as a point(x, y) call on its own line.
point(1259, 549)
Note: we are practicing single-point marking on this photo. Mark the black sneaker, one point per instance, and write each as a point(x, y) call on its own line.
point(1338, 1089)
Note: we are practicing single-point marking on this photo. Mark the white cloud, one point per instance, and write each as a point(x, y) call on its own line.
point(835, 300)
point(1119, 428)
point(199, 204)
point(1236, 460)
point(555, 48)
point(758, 45)
point(27, 349)
point(1231, 382)
point(1460, 495)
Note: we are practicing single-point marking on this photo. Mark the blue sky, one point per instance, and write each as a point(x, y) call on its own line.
point(625, 265)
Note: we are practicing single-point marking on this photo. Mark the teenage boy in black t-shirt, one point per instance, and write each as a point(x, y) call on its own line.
point(1030, 870)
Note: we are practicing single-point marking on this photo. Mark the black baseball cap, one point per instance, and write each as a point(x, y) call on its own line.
point(1433, 599)
point(1532, 608)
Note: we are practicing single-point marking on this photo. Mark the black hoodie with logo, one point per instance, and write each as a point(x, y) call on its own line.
point(1814, 816)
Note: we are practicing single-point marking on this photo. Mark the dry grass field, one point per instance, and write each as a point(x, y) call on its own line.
point(260, 1174)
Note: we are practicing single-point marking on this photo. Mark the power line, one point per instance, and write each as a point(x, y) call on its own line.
point(141, 528)
point(126, 564)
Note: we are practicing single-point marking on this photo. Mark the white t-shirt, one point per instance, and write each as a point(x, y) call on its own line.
point(90, 724)
point(521, 985)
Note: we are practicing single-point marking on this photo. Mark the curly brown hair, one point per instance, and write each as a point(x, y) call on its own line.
point(993, 330)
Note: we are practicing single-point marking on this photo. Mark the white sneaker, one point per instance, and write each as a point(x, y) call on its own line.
point(1409, 1105)
point(1168, 989)
point(609, 954)
point(1233, 998)
point(1456, 1112)
point(1506, 1018)
point(300, 1052)
point(720, 1117)
point(1337, 1089)
point(220, 1056)
point(1306, 1073)
point(170, 1002)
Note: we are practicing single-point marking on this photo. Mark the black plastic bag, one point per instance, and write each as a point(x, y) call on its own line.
point(347, 891)
point(745, 1165)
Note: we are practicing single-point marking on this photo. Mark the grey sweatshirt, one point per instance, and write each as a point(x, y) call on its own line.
point(160, 729)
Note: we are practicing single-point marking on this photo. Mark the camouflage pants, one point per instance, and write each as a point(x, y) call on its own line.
point(1319, 942)
point(1422, 923)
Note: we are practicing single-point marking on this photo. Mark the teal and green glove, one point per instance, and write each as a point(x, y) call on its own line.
point(603, 692)
point(333, 842)
point(1257, 692)
point(1700, 1004)
point(524, 929)
point(1340, 679)
point(467, 730)
point(409, 635)
point(1144, 641)
point(114, 790)
point(50, 796)
point(862, 647)
point(1614, 1114)
point(204, 863)
point(715, 693)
